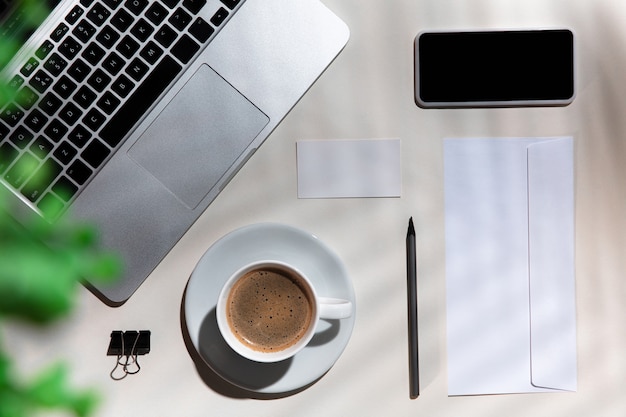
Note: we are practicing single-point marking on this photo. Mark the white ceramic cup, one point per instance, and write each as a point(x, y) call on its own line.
point(321, 308)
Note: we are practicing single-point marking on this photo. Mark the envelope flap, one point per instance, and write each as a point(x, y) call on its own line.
point(551, 264)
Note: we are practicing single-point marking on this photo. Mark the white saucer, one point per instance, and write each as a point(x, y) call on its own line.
point(267, 241)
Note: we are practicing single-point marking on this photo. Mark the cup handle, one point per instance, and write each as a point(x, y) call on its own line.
point(334, 308)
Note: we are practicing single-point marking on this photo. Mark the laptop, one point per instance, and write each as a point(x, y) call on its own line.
point(134, 114)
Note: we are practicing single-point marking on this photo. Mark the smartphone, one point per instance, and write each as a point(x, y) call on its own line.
point(501, 68)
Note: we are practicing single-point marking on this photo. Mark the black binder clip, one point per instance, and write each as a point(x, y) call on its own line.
point(127, 346)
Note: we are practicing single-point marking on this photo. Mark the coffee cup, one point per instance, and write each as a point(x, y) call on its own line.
point(267, 311)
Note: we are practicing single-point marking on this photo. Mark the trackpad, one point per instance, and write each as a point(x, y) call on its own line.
point(198, 136)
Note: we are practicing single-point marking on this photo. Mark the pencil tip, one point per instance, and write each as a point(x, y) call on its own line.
point(411, 227)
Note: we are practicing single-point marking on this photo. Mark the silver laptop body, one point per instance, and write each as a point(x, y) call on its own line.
point(225, 98)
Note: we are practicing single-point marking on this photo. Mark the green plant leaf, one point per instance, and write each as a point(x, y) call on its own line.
point(50, 390)
point(41, 265)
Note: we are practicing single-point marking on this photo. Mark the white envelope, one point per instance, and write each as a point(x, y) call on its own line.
point(509, 219)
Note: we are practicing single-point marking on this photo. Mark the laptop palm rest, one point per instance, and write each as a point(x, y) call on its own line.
point(205, 127)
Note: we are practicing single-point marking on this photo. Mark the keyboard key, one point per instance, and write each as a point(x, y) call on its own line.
point(194, 6)
point(84, 31)
point(55, 130)
point(108, 103)
point(21, 137)
point(51, 206)
point(98, 14)
point(180, 19)
point(113, 4)
point(8, 154)
point(231, 4)
point(41, 147)
point(64, 87)
point(4, 131)
point(122, 86)
point(79, 70)
point(201, 30)
point(60, 31)
point(113, 63)
point(70, 47)
point(75, 14)
point(11, 115)
point(55, 64)
point(40, 181)
point(95, 153)
point(65, 189)
point(41, 81)
point(50, 104)
point(79, 136)
point(99, 80)
point(142, 30)
point(29, 67)
point(156, 13)
point(219, 16)
point(15, 83)
point(70, 113)
point(94, 119)
point(23, 168)
point(35, 120)
point(170, 3)
point(45, 48)
point(136, 6)
point(93, 53)
point(26, 98)
point(127, 46)
point(122, 20)
point(137, 69)
point(79, 172)
point(185, 49)
point(151, 53)
point(65, 153)
point(108, 36)
point(140, 101)
point(166, 36)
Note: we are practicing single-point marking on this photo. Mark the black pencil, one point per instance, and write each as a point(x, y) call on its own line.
point(411, 274)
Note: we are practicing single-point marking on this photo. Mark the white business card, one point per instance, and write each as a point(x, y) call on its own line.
point(349, 168)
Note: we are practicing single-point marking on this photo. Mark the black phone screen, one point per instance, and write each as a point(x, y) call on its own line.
point(494, 68)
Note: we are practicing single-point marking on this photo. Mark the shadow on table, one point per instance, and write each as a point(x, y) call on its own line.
point(217, 359)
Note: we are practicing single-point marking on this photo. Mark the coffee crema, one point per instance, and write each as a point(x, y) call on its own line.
point(268, 310)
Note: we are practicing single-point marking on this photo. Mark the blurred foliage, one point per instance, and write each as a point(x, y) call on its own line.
point(41, 265)
point(32, 13)
point(47, 391)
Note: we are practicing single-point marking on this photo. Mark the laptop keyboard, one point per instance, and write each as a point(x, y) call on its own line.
point(86, 86)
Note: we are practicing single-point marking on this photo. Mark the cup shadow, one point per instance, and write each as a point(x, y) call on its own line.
point(217, 358)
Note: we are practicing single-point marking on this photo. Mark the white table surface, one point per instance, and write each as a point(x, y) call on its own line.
point(368, 93)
